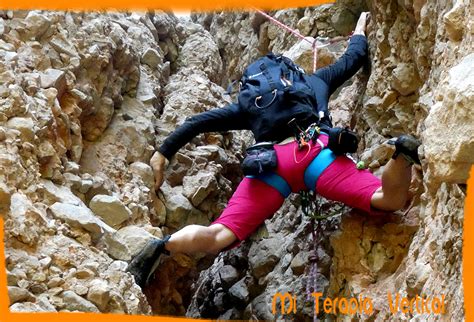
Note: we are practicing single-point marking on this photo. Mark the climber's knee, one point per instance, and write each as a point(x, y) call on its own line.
point(219, 238)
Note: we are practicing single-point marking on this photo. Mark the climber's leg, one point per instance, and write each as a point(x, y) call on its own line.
point(196, 238)
point(396, 180)
point(342, 181)
point(396, 176)
point(252, 202)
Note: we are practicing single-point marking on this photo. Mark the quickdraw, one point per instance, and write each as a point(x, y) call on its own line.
point(309, 135)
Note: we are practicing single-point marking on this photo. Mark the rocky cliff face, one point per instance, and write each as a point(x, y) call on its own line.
point(85, 99)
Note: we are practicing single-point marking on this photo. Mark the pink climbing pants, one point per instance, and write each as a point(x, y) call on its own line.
point(254, 201)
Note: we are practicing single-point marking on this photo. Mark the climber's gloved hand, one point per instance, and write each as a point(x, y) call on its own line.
point(158, 163)
point(361, 24)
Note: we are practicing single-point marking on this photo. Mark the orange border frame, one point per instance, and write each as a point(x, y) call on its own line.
point(186, 5)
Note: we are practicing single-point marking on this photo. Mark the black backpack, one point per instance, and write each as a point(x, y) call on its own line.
point(273, 91)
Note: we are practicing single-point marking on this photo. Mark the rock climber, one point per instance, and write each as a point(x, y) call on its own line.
point(256, 200)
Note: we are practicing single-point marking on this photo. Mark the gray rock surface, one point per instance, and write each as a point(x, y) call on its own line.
point(80, 217)
point(110, 209)
point(73, 302)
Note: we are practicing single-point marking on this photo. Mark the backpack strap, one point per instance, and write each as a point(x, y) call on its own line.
point(272, 78)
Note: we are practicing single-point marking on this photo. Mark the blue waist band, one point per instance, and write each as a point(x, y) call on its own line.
point(311, 174)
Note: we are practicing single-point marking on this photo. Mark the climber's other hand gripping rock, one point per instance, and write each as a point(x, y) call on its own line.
point(158, 163)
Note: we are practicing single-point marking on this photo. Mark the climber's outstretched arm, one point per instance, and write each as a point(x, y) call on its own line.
point(216, 120)
point(349, 63)
point(326, 80)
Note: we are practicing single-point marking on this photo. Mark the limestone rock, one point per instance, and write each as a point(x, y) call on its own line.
point(263, 258)
point(110, 209)
point(54, 78)
point(127, 242)
point(344, 21)
point(450, 158)
point(74, 302)
point(232, 314)
point(198, 187)
point(59, 193)
point(99, 294)
point(228, 274)
point(259, 307)
point(17, 294)
point(80, 217)
point(151, 57)
point(27, 307)
point(240, 292)
point(205, 58)
point(36, 24)
point(405, 79)
point(305, 24)
point(454, 20)
point(302, 54)
point(5, 197)
point(24, 125)
point(145, 172)
point(299, 263)
point(6, 46)
point(179, 210)
point(44, 302)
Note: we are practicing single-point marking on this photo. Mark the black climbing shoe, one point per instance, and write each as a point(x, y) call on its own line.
point(406, 145)
point(147, 260)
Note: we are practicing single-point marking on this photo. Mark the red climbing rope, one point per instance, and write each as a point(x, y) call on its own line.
point(297, 34)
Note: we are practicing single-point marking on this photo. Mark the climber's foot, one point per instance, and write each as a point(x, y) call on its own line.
point(407, 146)
point(147, 260)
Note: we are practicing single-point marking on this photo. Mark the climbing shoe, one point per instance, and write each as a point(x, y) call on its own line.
point(147, 260)
point(407, 146)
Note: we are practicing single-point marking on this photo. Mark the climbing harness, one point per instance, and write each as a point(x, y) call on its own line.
point(314, 169)
point(314, 43)
point(305, 138)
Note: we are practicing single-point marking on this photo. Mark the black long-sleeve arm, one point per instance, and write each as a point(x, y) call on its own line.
point(217, 120)
point(326, 80)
